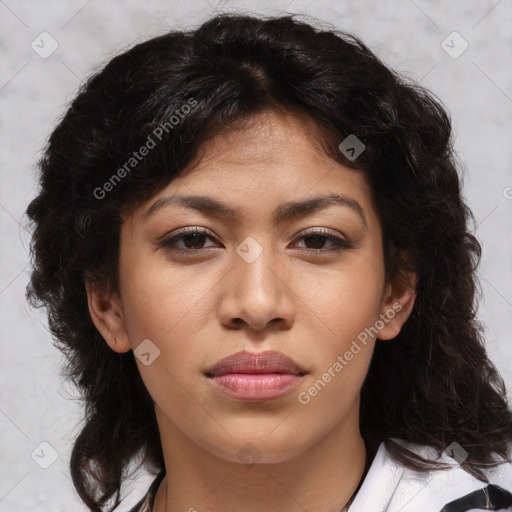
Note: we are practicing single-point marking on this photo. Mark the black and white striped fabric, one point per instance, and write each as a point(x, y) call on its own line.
point(491, 497)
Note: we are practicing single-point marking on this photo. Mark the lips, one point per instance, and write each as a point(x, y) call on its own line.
point(258, 376)
point(255, 363)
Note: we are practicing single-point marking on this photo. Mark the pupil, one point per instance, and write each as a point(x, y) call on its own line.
point(315, 238)
point(197, 238)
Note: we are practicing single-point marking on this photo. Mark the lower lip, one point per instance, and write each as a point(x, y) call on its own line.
point(255, 386)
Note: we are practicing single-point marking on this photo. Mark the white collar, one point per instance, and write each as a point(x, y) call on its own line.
point(390, 487)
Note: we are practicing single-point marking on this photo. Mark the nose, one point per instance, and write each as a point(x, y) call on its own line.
point(257, 295)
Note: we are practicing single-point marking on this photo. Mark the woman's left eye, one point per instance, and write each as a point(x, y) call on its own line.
point(318, 239)
point(193, 240)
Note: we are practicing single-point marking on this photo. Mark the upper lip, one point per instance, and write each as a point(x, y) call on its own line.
point(270, 361)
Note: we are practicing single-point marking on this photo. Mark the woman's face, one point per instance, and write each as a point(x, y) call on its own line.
point(308, 283)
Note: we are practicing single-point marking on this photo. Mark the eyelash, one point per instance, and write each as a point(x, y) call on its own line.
point(340, 244)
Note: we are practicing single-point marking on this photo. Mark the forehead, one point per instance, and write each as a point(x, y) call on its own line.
point(257, 167)
point(264, 138)
point(270, 154)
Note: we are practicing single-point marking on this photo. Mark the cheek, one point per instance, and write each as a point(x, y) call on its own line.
point(158, 302)
point(345, 310)
point(165, 307)
point(345, 301)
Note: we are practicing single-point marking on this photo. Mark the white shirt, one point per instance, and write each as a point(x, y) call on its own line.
point(390, 487)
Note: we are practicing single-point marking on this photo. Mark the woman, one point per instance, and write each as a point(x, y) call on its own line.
point(253, 248)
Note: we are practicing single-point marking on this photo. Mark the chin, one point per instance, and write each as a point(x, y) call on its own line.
point(251, 449)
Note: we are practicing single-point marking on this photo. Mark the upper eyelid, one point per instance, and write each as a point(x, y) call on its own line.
point(186, 231)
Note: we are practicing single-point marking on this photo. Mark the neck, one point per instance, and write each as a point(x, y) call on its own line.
point(321, 478)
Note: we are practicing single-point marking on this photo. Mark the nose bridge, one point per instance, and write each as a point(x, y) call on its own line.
point(253, 267)
point(256, 292)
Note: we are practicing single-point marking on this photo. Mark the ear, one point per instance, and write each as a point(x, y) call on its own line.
point(106, 313)
point(398, 301)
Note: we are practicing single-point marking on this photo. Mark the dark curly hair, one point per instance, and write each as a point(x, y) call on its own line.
point(433, 385)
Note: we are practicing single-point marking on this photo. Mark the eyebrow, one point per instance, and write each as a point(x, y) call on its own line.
point(285, 212)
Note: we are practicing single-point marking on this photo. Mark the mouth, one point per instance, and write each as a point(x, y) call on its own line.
point(255, 376)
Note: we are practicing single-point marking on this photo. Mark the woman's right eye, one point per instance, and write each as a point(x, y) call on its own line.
point(192, 240)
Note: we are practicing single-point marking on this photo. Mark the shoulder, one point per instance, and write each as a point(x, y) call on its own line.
point(391, 487)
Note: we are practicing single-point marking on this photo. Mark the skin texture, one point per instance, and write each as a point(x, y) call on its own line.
point(200, 307)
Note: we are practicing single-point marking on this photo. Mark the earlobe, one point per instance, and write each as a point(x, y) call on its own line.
point(398, 303)
point(106, 314)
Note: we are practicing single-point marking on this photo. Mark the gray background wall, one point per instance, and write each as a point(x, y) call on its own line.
point(35, 404)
